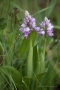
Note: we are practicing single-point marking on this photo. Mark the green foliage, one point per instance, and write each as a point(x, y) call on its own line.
point(2, 24)
point(1, 53)
point(30, 62)
point(22, 66)
point(26, 44)
point(13, 73)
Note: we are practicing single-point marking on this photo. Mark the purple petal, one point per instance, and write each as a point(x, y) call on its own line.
point(42, 24)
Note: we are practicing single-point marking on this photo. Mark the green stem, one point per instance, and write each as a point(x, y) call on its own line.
point(42, 61)
point(44, 46)
point(30, 41)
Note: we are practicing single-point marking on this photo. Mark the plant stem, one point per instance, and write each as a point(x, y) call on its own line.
point(30, 41)
point(44, 46)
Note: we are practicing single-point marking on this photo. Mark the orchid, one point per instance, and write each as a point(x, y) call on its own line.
point(47, 27)
point(29, 25)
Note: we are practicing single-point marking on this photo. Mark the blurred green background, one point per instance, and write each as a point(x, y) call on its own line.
point(13, 46)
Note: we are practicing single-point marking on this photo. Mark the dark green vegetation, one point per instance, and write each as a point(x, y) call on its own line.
point(14, 47)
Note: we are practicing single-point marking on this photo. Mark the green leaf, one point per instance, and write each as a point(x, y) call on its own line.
point(26, 45)
point(11, 38)
point(2, 23)
point(57, 27)
point(35, 58)
point(30, 62)
point(42, 63)
point(26, 82)
point(51, 74)
point(52, 3)
point(30, 83)
point(43, 10)
point(1, 49)
point(38, 77)
point(1, 53)
point(15, 74)
point(58, 65)
point(36, 80)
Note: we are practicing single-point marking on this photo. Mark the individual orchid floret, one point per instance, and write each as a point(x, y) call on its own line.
point(25, 30)
point(27, 15)
point(40, 31)
point(47, 26)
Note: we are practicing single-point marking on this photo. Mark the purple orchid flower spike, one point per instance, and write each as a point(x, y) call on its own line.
point(47, 27)
point(28, 25)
